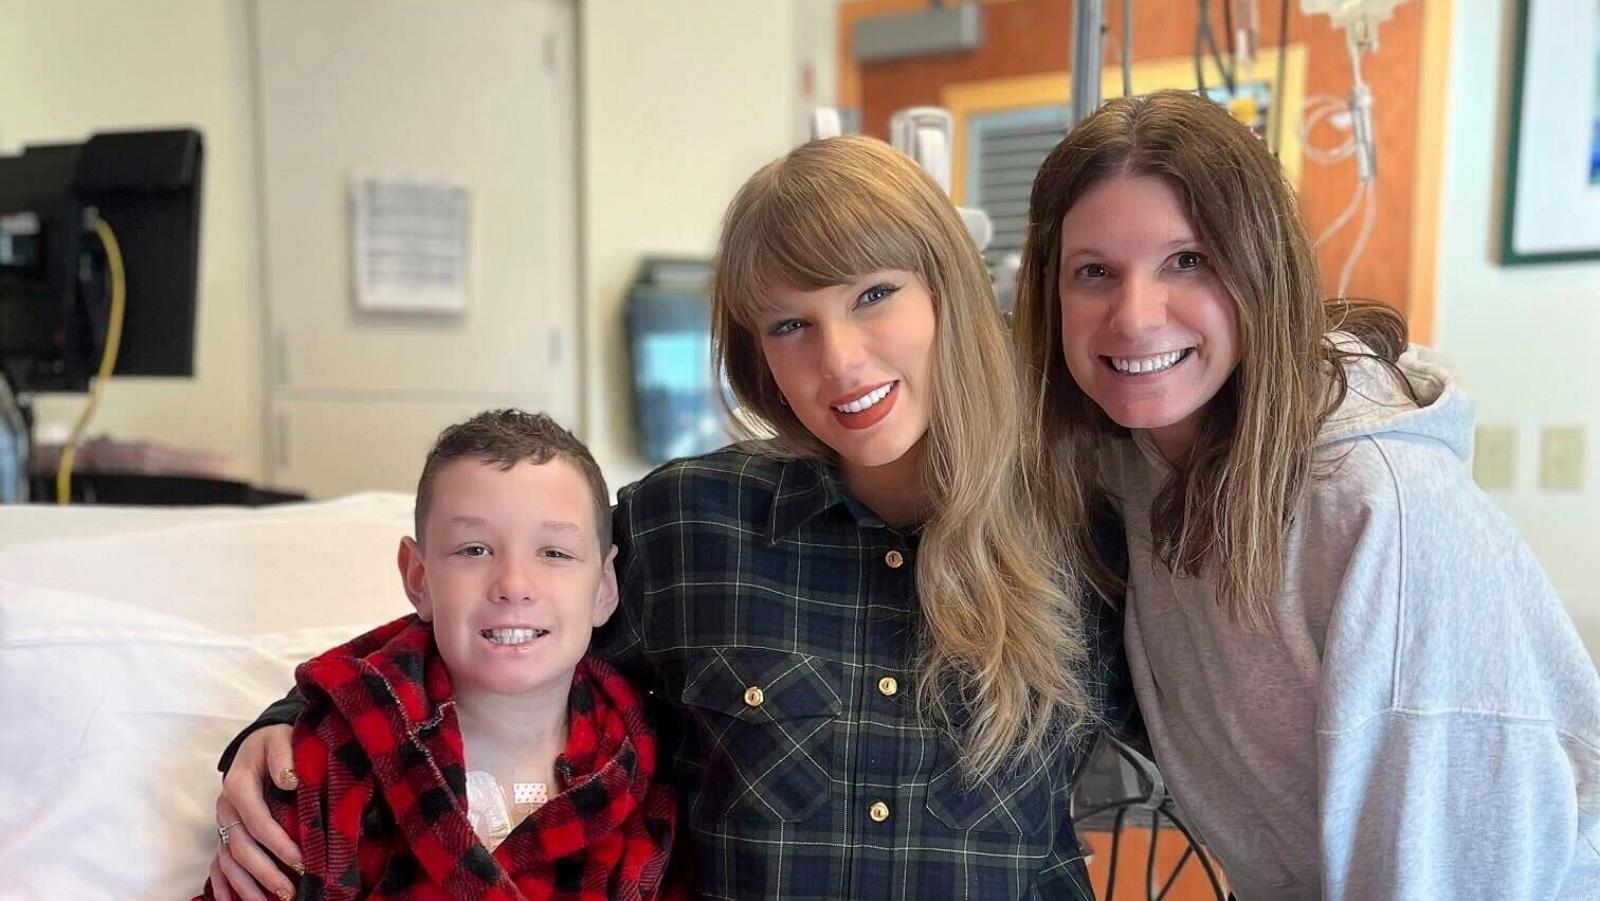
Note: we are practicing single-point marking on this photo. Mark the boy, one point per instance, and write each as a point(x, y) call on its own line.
point(475, 749)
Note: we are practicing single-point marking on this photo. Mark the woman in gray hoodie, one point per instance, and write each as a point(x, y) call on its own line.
point(1356, 678)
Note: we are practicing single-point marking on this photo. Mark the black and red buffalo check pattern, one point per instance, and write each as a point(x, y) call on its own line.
point(381, 811)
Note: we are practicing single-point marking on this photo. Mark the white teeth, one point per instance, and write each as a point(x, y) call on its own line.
point(866, 401)
point(1141, 365)
point(512, 636)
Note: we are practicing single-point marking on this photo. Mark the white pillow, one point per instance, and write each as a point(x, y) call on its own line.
point(126, 665)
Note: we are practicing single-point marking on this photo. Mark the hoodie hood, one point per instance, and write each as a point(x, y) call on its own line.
point(1435, 407)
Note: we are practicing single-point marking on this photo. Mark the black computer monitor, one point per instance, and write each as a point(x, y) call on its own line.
point(54, 295)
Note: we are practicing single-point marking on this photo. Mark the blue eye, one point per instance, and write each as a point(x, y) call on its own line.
point(876, 294)
point(786, 327)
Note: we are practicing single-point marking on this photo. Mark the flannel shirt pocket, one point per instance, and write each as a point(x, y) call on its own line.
point(1016, 802)
point(768, 723)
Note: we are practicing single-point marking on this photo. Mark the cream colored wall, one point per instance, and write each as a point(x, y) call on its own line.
point(483, 93)
point(1523, 337)
point(71, 67)
point(681, 102)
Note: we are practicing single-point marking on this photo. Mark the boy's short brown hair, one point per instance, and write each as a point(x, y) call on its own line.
point(508, 437)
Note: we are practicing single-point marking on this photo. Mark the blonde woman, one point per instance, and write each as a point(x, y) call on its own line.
point(1355, 677)
point(880, 678)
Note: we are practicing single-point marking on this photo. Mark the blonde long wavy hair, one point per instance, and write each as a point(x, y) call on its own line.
point(1229, 504)
point(1003, 637)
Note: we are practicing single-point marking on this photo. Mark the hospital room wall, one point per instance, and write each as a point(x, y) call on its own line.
point(73, 68)
point(1523, 337)
point(681, 103)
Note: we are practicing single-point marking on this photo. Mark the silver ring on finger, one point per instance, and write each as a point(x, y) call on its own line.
point(222, 831)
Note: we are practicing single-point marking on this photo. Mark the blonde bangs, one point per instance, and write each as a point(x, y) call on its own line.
point(800, 233)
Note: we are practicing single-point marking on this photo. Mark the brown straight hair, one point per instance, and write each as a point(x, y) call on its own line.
point(1229, 503)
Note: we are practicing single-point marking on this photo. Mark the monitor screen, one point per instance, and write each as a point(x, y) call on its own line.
point(54, 283)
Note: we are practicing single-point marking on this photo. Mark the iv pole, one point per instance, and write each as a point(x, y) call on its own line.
point(1087, 28)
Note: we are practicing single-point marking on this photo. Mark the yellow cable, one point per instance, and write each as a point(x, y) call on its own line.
point(108, 359)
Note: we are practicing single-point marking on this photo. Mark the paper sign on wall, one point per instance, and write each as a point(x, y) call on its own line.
point(410, 244)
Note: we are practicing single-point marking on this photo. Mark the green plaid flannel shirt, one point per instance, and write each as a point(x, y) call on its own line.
point(778, 618)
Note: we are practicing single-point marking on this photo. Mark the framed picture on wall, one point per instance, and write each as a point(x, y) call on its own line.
point(1552, 176)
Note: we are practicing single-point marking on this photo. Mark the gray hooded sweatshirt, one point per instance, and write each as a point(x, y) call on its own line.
point(1420, 722)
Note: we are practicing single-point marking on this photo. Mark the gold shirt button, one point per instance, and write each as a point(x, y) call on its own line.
point(879, 812)
point(888, 687)
point(895, 559)
point(754, 696)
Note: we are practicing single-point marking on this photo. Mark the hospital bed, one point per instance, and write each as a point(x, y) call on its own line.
point(134, 642)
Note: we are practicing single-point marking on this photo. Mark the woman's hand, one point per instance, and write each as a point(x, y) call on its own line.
point(243, 867)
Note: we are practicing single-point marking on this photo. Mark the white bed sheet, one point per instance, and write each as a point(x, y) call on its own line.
point(133, 644)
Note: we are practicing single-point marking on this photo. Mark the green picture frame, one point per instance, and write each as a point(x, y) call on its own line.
point(1522, 181)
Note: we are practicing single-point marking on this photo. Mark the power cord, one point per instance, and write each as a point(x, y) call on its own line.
point(108, 357)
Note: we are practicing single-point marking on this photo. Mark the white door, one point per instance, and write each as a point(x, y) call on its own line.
point(480, 93)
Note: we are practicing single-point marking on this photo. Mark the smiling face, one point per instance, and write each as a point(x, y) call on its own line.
point(510, 574)
point(1148, 331)
point(854, 362)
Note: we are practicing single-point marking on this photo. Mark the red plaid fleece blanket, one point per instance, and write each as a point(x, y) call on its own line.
point(381, 807)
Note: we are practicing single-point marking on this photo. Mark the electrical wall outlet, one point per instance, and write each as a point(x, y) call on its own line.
point(1561, 458)
point(1494, 457)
